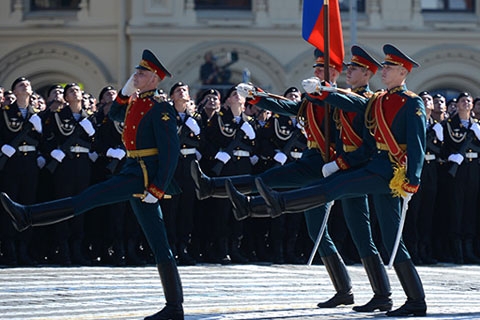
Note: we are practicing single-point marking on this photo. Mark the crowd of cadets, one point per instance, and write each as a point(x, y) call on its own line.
point(56, 146)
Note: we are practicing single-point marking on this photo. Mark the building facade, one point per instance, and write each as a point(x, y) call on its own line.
point(99, 42)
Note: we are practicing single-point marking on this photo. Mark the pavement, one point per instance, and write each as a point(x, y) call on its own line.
point(220, 292)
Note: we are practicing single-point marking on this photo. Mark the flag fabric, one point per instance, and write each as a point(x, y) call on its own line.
point(313, 28)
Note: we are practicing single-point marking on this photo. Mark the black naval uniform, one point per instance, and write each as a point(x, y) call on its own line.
point(19, 177)
point(70, 177)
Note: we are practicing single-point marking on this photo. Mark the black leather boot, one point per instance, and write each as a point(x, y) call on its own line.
point(289, 201)
point(172, 289)
point(412, 285)
point(377, 275)
point(341, 282)
point(41, 214)
point(468, 253)
point(245, 206)
point(206, 187)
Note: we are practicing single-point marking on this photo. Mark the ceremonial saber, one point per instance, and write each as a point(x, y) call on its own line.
point(399, 232)
point(269, 95)
point(320, 234)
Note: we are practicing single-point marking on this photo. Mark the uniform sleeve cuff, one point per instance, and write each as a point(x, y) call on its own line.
point(121, 99)
point(157, 193)
point(410, 188)
point(318, 96)
point(341, 163)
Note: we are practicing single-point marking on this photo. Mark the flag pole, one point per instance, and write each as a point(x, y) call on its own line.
point(326, 72)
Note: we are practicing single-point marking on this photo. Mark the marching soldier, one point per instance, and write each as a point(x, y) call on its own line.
point(396, 120)
point(151, 140)
point(460, 148)
point(20, 138)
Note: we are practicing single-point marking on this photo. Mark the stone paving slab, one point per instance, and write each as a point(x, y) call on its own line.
point(219, 292)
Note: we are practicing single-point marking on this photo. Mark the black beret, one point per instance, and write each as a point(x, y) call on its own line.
point(438, 96)
point(105, 89)
point(424, 93)
point(18, 80)
point(463, 95)
point(209, 91)
point(69, 85)
point(54, 87)
point(176, 85)
point(291, 89)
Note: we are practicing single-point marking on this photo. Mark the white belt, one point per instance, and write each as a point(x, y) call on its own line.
point(296, 155)
point(471, 155)
point(430, 157)
point(241, 153)
point(187, 151)
point(79, 149)
point(27, 148)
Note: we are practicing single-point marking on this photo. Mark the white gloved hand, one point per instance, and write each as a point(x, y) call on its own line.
point(329, 168)
point(41, 162)
point(37, 122)
point(198, 155)
point(150, 198)
point(280, 157)
point(58, 155)
point(476, 129)
point(193, 125)
point(456, 157)
point(120, 153)
point(437, 127)
point(110, 153)
point(93, 156)
point(254, 159)
point(8, 150)
point(129, 87)
point(248, 129)
point(310, 85)
point(245, 90)
point(223, 156)
point(88, 127)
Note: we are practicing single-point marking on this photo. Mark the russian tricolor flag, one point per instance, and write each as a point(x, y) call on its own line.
point(313, 29)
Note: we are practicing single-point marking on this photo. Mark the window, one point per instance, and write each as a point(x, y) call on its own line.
point(51, 5)
point(345, 5)
point(223, 5)
point(448, 5)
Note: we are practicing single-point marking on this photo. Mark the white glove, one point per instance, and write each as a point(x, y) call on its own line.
point(93, 156)
point(193, 125)
point(329, 168)
point(8, 150)
point(310, 85)
point(456, 157)
point(150, 198)
point(41, 162)
point(476, 129)
point(37, 122)
point(438, 131)
point(198, 155)
point(129, 88)
point(254, 159)
point(280, 157)
point(58, 155)
point(248, 129)
point(245, 90)
point(223, 156)
point(88, 127)
point(116, 153)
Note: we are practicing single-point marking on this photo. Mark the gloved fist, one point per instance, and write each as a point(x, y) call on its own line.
point(248, 129)
point(310, 85)
point(36, 122)
point(246, 90)
point(149, 198)
point(88, 127)
point(476, 129)
point(58, 155)
point(8, 150)
point(193, 125)
point(117, 153)
point(41, 162)
point(438, 131)
point(456, 157)
point(329, 168)
point(93, 156)
point(223, 156)
point(129, 87)
point(280, 157)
